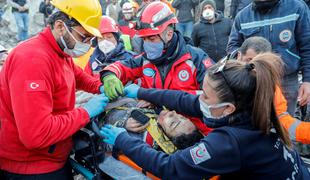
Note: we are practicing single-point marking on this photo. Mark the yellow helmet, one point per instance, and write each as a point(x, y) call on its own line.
point(87, 12)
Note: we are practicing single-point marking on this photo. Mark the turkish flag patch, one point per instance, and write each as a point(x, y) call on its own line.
point(35, 85)
point(208, 62)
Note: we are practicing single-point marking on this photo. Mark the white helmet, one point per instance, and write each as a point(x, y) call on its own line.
point(127, 8)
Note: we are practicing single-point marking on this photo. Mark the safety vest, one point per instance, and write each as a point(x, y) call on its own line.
point(127, 42)
point(299, 131)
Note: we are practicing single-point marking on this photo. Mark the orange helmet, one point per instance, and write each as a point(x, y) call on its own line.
point(108, 25)
point(155, 18)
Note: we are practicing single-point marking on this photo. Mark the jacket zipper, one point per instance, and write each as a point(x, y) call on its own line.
point(215, 43)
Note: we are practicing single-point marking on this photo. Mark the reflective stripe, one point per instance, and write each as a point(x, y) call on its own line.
point(118, 70)
point(127, 42)
point(145, 62)
point(293, 54)
point(282, 114)
point(191, 64)
point(267, 22)
point(292, 129)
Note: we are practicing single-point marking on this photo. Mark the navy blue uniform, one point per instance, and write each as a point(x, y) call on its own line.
point(286, 26)
point(232, 151)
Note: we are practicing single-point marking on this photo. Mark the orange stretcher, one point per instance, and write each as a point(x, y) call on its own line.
point(130, 163)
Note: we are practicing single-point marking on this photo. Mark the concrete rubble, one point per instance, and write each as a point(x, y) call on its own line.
point(8, 27)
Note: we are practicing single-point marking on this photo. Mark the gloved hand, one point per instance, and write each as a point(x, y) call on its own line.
point(131, 91)
point(96, 105)
point(113, 87)
point(110, 133)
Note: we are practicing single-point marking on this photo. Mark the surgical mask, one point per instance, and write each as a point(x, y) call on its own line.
point(79, 48)
point(208, 14)
point(106, 46)
point(127, 16)
point(153, 50)
point(264, 6)
point(205, 109)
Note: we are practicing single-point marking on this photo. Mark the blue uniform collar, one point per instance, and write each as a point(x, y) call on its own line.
point(237, 119)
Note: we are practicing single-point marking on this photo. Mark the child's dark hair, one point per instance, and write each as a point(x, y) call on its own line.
point(186, 140)
point(251, 87)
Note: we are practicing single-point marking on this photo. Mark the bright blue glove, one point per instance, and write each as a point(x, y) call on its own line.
point(131, 91)
point(96, 105)
point(101, 89)
point(110, 133)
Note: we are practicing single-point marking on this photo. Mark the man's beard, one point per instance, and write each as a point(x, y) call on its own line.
point(67, 40)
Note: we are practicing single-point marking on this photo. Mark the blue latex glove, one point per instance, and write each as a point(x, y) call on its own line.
point(110, 133)
point(131, 91)
point(101, 89)
point(96, 105)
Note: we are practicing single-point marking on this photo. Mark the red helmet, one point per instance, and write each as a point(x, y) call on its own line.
point(108, 25)
point(154, 19)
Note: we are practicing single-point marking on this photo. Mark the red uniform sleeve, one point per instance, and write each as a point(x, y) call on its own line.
point(88, 69)
point(85, 81)
point(39, 123)
point(128, 70)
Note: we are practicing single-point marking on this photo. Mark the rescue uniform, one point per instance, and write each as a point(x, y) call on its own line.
point(234, 150)
point(125, 29)
point(299, 131)
point(183, 70)
point(287, 27)
point(37, 114)
point(98, 60)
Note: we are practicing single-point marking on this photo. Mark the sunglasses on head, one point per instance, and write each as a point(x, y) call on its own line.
point(220, 70)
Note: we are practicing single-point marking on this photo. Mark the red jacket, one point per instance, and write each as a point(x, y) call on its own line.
point(125, 29)
point(37, 98)
point(186, 73)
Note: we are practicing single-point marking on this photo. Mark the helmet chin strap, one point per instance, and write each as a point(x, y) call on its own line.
point(164, 40)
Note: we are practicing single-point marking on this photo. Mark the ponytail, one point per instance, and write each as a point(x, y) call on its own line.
point(268, 69)
point(251, 87)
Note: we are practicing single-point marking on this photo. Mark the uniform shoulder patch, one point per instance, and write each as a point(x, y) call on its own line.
point(285, 35)
point(207, 62)
point(183, 75)
point(200, 153)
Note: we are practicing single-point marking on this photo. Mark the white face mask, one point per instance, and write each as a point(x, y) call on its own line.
point(106, 46)
point(205, 109)
point(208, 14)
point(79, 48)
point(128, 16)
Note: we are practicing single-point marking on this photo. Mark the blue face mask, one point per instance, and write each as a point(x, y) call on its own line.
point(153, 50)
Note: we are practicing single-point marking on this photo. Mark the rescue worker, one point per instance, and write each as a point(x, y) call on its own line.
point(37, 94)
point(167, 63)
point(285, 23)
point(126, 24)
point(111, 47)
point(248, 141)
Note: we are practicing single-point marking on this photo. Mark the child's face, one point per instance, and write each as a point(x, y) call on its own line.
point(175, 124)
